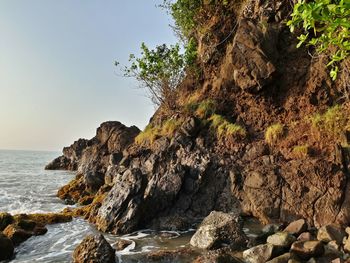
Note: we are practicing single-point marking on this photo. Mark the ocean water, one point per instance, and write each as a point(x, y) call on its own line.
point(25, 187)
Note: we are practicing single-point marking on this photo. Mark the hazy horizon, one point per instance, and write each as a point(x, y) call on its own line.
point(58, 81)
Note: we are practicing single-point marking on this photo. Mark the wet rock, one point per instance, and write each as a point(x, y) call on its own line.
point(122, 244)
point(307, 249)
point(281, 239)
point(5, 220)
point(219, 229)
point(218, 256)
point(94, 249)
point(17, 234)
point(6, 247)
point(258, 254)
point(281, 259)
point(331, 232)
point(168, 255)
point(172, 223)
point(296, 227)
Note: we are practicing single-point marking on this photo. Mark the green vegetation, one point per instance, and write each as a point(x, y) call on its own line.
point(301, 151)
point(326, 25)
point(333, 123)
point(151, 133)
point(205, 109)
point(225, 128)
point(159, 71)
point(274, 133)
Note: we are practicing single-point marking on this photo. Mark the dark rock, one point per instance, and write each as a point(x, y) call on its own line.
point(6, 247)
point(17, 234)
point(307, 249)
point(306, 236)
point(168, 255)
point(220, 229)
point(171, 223)
point(5, 220)
point(94, 249)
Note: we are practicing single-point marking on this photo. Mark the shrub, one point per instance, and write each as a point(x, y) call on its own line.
point(301, 150)
point(274, 133)
point(224, 128)
point(325, 24)
point(170, 127)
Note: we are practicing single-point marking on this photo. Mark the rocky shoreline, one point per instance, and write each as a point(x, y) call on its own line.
point(261, 131)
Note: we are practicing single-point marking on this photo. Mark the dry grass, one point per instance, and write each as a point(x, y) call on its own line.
point(332, 124)
point(151, 133)
point(224, 128)
point(274, 133)
point(301, 151)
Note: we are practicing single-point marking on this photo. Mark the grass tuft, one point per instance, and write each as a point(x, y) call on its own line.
point(274, 133)
point(301, 151)
point(225, 128)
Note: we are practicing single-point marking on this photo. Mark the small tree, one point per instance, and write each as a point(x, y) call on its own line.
point(160, 71)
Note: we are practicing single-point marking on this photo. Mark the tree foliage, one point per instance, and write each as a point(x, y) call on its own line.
point(325, 25)
point(161, 70)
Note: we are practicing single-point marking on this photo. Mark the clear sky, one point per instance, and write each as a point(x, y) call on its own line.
point(58, 81)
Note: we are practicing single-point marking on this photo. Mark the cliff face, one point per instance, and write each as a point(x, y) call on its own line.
point(256, 76)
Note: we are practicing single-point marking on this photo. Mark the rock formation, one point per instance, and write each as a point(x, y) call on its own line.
point(257, 77)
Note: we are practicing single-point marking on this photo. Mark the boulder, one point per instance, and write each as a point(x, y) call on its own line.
point(258, 254)
point(17, 234)
point(5, 220)
point(281, 259)
point(331, 232)
point(296, 227)
point(219, 229)
point(6, 247)
point(306, 236)
point(307, 249)
point(281, 239)
point(94, 249)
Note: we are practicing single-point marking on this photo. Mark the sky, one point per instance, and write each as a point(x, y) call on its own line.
point(58, 81)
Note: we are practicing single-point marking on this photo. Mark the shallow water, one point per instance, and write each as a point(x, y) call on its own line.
point(25, 187)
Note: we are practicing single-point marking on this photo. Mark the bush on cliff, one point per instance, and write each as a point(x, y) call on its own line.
point(274, 133)
point(326, 26)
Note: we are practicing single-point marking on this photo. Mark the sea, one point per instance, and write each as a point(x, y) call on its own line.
point(26, 187)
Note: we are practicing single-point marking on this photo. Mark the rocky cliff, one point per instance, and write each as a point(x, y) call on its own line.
point(288, 161)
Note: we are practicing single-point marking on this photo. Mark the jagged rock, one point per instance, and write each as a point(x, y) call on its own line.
point(218, 230)
point(172, 223)
point(281, 239)
point(307, 249)
point(296, 227)
point(331, 232)
point(258, 254)
point(6, 247)
point(94, 249)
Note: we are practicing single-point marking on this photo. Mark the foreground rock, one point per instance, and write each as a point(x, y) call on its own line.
point(258, 254)
point(308, 249)
point(19, 228)
point(94, 249)
point(218, 230)
point(6, 247)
